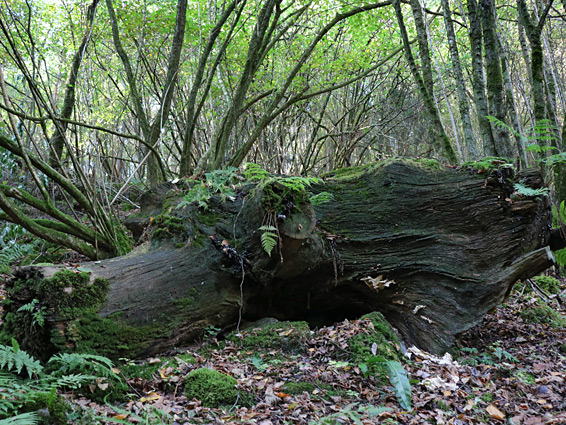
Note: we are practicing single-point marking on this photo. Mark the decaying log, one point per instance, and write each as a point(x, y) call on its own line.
point(433, 248)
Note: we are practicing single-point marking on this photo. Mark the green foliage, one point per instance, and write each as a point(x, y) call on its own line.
point(488, 163)
point(529, 192)
point(14, 359)
point(397, 375)
point(543, 314)
point(13, 250)
point(88, 364)
point(321, 198)
point(216, 182)
point(38, 390)
point(400, 381)
point(199, 193)
point(548, 284)
point(493, 355)
point(38, 312)
point(30, 418)
point(268, 238)
point(350, 413)
point(214, 389)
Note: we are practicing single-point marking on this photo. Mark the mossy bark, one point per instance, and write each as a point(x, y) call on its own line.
point(433, 248)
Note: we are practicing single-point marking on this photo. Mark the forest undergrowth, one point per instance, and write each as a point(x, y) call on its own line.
point(510, 369)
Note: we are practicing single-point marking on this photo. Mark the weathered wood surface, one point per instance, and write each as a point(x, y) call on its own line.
point(433, 249)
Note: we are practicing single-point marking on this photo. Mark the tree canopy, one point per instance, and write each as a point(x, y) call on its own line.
point(97, 95)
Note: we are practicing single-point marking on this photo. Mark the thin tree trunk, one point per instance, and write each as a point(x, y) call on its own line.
point(478, 79)
point(495, 89)
point(57, 140)
point(192, 110)
point(464, 107)
point(534, 33)
point(440, 141)
point(156, 173)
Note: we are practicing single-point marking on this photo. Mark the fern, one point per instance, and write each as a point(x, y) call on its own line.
point(321, 198)
point(14, 359)
point(268, 238)
point(38, 312)
point(254, 173)
point(30, 418)
point(84, 364)
point(13, 251)
point(529, 192)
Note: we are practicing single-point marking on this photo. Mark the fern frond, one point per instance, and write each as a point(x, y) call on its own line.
point(529, 192)
point(254, 172)
point(30, 418)
point(321, 198)
point(268, 238)
point(83, 364)
point(14, 359)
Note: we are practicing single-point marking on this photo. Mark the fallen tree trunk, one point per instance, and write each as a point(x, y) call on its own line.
point(432, 248)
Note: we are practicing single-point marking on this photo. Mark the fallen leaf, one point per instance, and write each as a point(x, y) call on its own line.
point(495, 413)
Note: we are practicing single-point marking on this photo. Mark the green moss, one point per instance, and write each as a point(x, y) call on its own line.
point(106, 336)
point(487, 397)
point(348, 173)
point(288, 336)
point(124, 241)
point(487, 164)
point(381, 339)
point(214, 389)
point(548, 284)
point(55, 405)
point(168, 227)
point(184, 303)
point(429, 163)
point(543, 314)
point(70, 294)
point(208, 218)
point(295, 388)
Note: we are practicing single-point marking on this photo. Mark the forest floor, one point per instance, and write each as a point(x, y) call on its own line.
point(511, 371)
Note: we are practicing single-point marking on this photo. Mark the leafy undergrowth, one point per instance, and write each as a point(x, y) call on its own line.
point(511, 371)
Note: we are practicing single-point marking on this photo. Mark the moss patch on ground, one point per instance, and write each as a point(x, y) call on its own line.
point(378, 343)
point(288, 336)
point(215, 389)
point(548, 284)
point(543, 314)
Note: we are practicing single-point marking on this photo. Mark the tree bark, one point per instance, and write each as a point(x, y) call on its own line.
point(478, 79)
point(432, 248)
point(57, 140)
point(440, 140)
point(469, 139)
point(495, 89)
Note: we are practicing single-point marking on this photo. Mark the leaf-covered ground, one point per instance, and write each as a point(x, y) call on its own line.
point(511, 371)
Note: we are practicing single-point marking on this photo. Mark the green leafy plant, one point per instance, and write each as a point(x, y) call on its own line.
point(13, 250)
point(268, 238)
point(38, 312)
point(30, 418)
point(397, 377)
point(26, 385)
point(216, 182)
point(529, 192)
point(280, 196)
point(351, 413)
point(14, 359)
